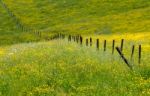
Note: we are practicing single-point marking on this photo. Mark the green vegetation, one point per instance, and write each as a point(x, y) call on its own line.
point(48, 69)
point(10, 32)
point(62, 68)
point(82, 16)
point(77, 16)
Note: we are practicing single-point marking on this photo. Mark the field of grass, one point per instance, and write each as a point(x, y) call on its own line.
point(62, 68)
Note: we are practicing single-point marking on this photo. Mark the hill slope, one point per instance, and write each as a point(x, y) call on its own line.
point(11, 30)
point(72, 17)
point(8, 28)
point(83, 16)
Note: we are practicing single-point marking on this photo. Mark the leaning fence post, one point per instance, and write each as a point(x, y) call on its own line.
point(123, 57)
point(104, 45)
point(97, 44)
point(140, 50)
point(132, 53)
point(122, 42)
point(113, 46)
point(90, 41)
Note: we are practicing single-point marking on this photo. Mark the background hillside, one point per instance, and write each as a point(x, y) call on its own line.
point(75, 16)
point(11, 30)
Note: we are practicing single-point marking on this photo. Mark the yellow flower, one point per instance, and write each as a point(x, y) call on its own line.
point(1, 51)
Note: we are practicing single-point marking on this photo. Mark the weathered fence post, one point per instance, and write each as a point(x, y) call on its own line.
point(104, 45)
point(90, 41)
point(132, 53)
point(87, 42)
point(81, 39)
point(113, 46)
point(123, 57)
point(97, 44)
point(140, 50)
point(122, 42)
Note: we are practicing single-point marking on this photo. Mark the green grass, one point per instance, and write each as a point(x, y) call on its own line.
point(76, 17)
point(60, 68)
point(10, 32)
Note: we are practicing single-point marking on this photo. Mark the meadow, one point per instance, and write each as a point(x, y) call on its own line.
point(32, 65)
point(62, 68)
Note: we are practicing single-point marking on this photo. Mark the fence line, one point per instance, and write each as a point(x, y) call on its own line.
point(77, 38)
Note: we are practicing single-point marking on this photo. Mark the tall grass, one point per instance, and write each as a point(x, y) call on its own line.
point(64, 68)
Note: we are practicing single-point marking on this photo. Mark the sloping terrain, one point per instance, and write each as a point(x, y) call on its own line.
point(11, 31)
point(83, 16)
point(61, 68)
point(71, 17)
point(8, 29)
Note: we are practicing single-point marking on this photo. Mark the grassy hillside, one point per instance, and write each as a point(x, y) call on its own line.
point(71, 17)
point(11, 31)
point(8, 29)
point(83, 16)
point(61, 68)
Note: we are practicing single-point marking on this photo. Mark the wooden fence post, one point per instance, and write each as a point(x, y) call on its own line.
point(81, 39)
point(122, 42)
point(140, 50)
point(132, 53)
point(113, 46)
point(97, 44)
point(104, 45)
point(90, 41)
point(123, 57)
